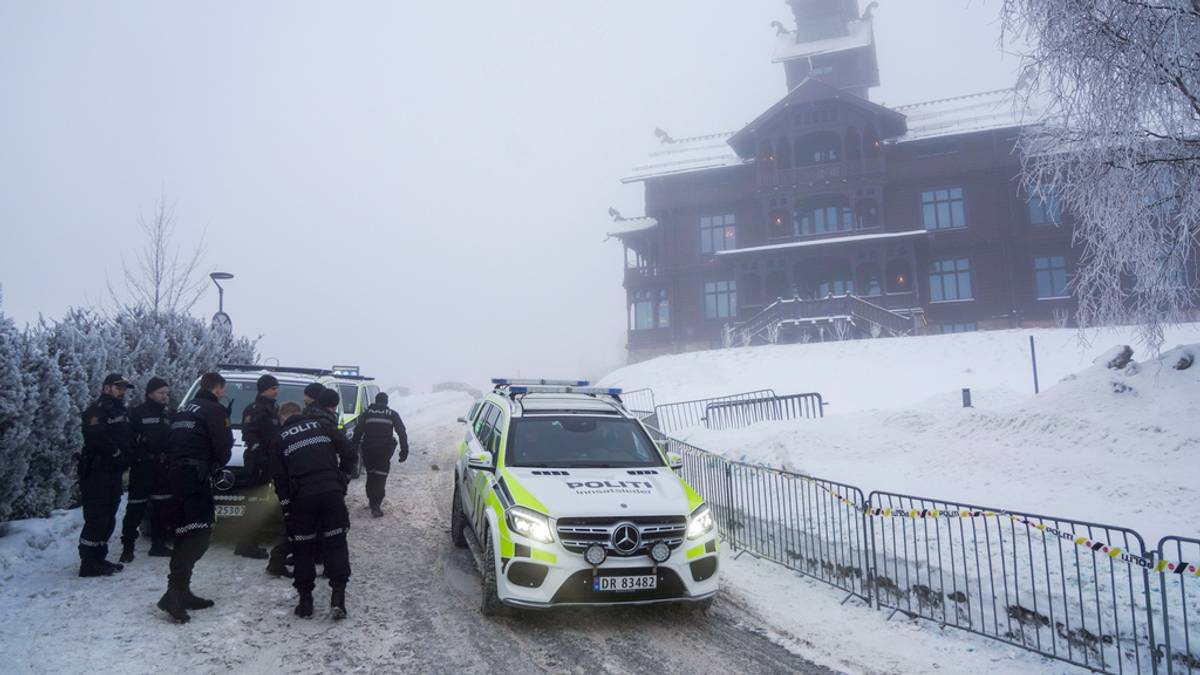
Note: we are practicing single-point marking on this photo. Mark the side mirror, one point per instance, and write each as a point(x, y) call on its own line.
point(675, 460)
point(481, 461)
point(462, 420)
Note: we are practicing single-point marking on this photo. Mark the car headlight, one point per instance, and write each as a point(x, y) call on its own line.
point(700, 523)
point(530, 524)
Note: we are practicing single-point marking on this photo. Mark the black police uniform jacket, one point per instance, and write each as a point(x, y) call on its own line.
point(260, 425)
point(106, 437)
point(201, 433)
point(307, 460)
point(150, 424)
point(374, 431)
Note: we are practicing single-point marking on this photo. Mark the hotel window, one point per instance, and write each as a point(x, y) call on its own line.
point(1051, 275)
point(664, 309)
point(641, 311)
point(959, 327)
point(950, 280)
point(1044, 210)
point(943, 209)
point(825, 214)
point(718, 233)
point(720, 299)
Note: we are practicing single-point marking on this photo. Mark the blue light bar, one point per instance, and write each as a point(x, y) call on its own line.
point(561, 389)
point(508, 382)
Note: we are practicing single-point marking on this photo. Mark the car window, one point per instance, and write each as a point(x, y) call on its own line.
point(241, 393)
point(497, 433)
point(474, 411)
point(372, 392)
point(481, 422)
point(349, 394)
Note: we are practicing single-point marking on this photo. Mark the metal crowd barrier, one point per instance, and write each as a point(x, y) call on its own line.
point(737, 414)
point(674, 417)
point(639, 401)
point(1179, 598)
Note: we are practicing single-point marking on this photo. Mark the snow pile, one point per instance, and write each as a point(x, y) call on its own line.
point(421, 411)
point(25, 541)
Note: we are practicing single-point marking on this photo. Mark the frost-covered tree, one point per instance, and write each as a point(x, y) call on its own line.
point(1119, 147)
point(54, 438)
point(14, 416)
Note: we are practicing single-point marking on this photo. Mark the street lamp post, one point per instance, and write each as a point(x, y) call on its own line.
point(221, 321)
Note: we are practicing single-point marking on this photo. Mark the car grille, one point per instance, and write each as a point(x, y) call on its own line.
point(577, 534)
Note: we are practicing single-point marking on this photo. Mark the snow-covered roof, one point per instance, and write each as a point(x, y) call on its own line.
point(998, 109)
point(860, 34)
point(634, 225)
point(684, 155)
point(822, 242)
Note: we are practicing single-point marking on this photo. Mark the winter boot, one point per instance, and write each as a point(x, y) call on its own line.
point(112, 566)
point(304, 610)
point(277, 568)
point(191, 601)
point(159, 550)
point(376, 512)
point(337, 604)
point(127, 552)
point(253, 551)
point(172, 603)
point(91, 567)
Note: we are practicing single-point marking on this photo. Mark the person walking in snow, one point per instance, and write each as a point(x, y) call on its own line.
point(201, 443)
point(373, 437)
point(310, 467)
point(150, 424)
point(104, 458)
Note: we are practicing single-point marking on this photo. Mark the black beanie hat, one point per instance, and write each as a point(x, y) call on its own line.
point(314, 390)
point(266, 382)
point(328, 399)
point(381, 398)
point(154, 385)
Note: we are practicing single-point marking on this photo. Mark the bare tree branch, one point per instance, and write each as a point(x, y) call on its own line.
point(162, 278)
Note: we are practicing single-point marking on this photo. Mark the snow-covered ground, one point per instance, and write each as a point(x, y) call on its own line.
point(1116, 447)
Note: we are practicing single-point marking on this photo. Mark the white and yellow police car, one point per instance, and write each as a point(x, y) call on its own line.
point(566, 500)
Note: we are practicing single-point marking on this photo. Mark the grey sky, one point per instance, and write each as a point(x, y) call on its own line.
point(419, 187)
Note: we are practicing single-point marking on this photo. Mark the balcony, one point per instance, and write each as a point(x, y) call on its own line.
point(819, 173)
point(638, 275)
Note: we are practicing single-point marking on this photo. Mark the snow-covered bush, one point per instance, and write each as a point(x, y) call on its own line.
point(14, 415)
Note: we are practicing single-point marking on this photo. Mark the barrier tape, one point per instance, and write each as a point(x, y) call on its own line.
point(1099, 547)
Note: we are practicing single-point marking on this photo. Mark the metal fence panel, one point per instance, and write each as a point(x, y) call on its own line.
point(639, 401)
point(674, 417)
point(1179, 596)
point(737, 414)
point(1052, 586)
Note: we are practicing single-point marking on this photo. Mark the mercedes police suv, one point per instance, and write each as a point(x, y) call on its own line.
point(565, 500)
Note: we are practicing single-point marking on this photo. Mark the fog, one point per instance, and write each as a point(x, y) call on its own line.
point(420, 188)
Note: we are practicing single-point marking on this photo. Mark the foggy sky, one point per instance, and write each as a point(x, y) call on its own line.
point(417, 187)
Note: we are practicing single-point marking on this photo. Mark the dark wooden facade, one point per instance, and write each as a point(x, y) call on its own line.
point(828, 195)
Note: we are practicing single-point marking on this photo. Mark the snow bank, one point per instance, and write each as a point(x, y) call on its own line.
point(886, 373)
point(421, 411)
point(23, 541)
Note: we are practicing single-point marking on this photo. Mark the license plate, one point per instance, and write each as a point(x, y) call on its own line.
point(231, 511)
point(643, 582)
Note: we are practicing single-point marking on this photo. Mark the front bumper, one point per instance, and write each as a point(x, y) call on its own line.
point(541, 576)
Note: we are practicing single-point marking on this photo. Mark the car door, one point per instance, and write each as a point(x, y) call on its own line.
point(477, 478)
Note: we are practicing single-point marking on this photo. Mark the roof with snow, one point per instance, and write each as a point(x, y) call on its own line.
point(823, 242)
point(684, 155)
point(634, 226)
point(860, 34)
point(999, 109)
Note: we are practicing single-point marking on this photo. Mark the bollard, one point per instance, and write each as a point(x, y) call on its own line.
point(967, 398)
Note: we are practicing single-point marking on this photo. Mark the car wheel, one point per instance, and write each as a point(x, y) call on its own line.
point(703, 606)
point(491, 605)
point(458, 521)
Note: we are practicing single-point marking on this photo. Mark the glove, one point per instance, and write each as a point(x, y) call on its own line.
point(403, 455)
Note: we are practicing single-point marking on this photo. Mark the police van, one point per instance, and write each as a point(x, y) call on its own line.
point(243, 499)
point(565, 499)
point(356, 391)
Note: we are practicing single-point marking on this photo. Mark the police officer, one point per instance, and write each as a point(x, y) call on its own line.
point(260, 423)
point(373, 436)
point(201, 442)
point(310, 467)
point(150, 423)
point(104, 458)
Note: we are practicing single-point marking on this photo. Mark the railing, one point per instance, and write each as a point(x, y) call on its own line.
point(820, 172)
point(833, 307)
point(1015, 577)
point(639, 401)
point(1179, 591)
point(675, 417)
point(738, 414)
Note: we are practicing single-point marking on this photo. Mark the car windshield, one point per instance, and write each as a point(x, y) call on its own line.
point(241, 393)
point(580, 443)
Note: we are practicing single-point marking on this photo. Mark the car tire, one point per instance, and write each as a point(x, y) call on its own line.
point(490, 605)
point(703, 606)
point(458, 521)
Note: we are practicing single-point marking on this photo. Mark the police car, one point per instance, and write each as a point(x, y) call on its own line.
point(566, 500)
point(356, 392)
point(242, 500)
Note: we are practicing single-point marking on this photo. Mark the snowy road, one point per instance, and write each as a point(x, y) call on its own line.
point(413, 604)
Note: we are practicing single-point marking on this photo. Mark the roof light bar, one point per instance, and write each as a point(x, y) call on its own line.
point(508, 382)
point(561, 389)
